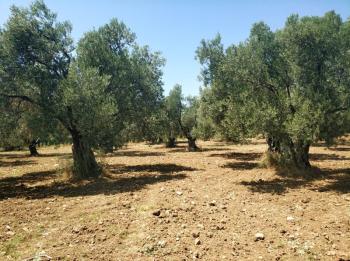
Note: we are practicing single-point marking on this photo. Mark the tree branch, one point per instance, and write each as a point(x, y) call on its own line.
point(20, 97)
point(337, 110)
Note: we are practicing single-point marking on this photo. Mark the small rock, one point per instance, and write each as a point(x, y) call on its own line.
point(195, 234)
point(197, 241)
point(179, 193)
point(331, 253)
point(10, 233)
point(156, 213)
point(290, 218)
point(76, 230)
point(103, 237)
point(162, 243)
point(196, 255)
point(162, 189)
point(219, 227)
point(201, 226)
point(7, 227)
point(259, 236)
point(212, 203)
point(26, 229)
point(306, 200)
point(291, 237)
point(210, 234)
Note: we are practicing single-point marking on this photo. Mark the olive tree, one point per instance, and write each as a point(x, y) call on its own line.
point(292, 85)
point(181, 117)
point(135, 77)
point(90, 100)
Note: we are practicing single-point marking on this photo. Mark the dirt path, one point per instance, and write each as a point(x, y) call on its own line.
point(168, 204)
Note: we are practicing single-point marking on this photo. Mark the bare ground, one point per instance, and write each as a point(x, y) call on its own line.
point(169, 204)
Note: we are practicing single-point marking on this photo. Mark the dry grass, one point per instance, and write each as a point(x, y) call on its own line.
point(221, 192)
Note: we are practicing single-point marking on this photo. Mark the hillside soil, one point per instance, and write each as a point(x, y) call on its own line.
point(155, 203)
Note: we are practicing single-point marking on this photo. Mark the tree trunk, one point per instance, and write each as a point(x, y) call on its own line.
point(84, 162)
point(32, 148)
point(191, 144)
point(171, 143)
point(273, 144)
point(300, 154)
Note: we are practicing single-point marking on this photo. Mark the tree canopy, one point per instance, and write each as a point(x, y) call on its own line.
point(95, 95)
point(292, 85)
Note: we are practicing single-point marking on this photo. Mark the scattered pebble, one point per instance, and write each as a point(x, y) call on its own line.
point(156, 213)
point(196, 255)
point(195, 234)
point(306, 200)
point(162, 243)
point(212, 203)
point(290, 218)
point(259, 236)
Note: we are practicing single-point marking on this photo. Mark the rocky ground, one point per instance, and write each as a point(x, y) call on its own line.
point(169, 204)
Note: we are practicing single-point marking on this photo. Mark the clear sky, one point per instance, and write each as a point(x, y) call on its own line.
point(175, 27)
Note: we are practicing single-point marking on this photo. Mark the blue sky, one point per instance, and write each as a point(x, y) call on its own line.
point(175, 27)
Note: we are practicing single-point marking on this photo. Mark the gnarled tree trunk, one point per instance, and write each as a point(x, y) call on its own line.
point(171, 143)
point(273, 144)
point(32, 148)
point(301, 155)
point(191, 143)
point(297, 153)
point(84, 161)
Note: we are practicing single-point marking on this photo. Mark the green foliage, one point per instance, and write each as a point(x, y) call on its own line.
point(292, 84)
point(173, 108)
point(135, 76)
point(83, 92)
point(34, 57)
point(99, 99)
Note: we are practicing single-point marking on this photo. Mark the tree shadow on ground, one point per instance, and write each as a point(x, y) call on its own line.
point(28, 178)
point(22, 187)
point(241, 165)
point(177, 149)
point(133, 153)
point(185, 149)
point(320, 157)
point(160, 168)
point(248, 156)
point(22, 155)
point(339, 149)
point(16, 163)
point(337, 180)
point(214, 149)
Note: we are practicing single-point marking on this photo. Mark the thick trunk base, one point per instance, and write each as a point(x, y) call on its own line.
point(171, 143)
point(273, 144)
point(32, 149)
point(288, 154)
point(301, 156)
point(192, 144)
point(84, 161)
